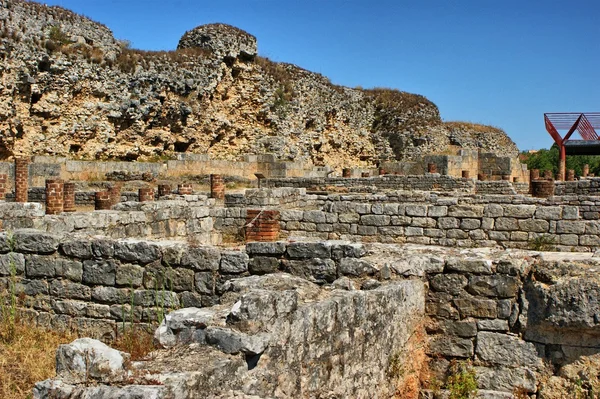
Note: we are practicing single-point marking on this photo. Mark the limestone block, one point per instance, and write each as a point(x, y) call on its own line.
point(136, 251)
point(356, 267)
point(570, 212)
point(400, 220)
point(465, 211)
point(470, 224)
point(447, 345)
point(470, 265)
point(179, 326)
point(418, 265)
point(375, 220)
point(348, 217)
point(493, 210)
point(308, 250)
point(201, 258)
point(129, 275)
point(548, 212)
point(69, 289)
point(506, 224)
point(506, 350)
point(413, 231)
point(570, 227)
point(519, 211)
point(448, 223)
point(416, 210)
point(266, 248)
point(99, 272)
point(450, 283)
point(534, 225)
point(316, 270)
point(473, 307)
point(87, 359)
point(493, 325)
point(35, 241)
point(110, 294)
point(437, 211)
point(205, 283)
point(103, 248)
point(423, 222)
point(263, 265)
point(234, 262)
point(346, 249)
point(457, 234)
point(77, 249)
point(32, 287)
point(39, 266)
point(10, 262)
point(314, 217)
point(589, 240)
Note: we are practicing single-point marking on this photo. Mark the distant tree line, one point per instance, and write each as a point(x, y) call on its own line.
point(548, 160)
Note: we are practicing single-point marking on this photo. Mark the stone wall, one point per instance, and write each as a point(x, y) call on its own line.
point(428, 182)
point(564, 223)
point(588, 186)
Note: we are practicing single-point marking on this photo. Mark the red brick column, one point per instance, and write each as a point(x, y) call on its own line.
point(431, 168)
point(54, 196)
point(262, 225)
point(3, 186)
point(365, 174)
point(21, 179)
point(115, 193)
point(534, 174)
point(69, 197)
point(184, 189)
point(542, 188)
point(103, 201)
point(548, 175)
point(465, 174)
point(382, 172)
point(164, 189)
point(146, 194)
point(570, 175)
point(481, 177)
point(346, 172)
point(217, 187)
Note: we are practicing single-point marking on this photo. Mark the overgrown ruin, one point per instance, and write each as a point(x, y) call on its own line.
point(283, 237)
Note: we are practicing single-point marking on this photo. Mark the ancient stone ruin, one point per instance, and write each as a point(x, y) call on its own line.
point(357, 247)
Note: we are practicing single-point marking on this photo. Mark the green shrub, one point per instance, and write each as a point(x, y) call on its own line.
point(462, 382)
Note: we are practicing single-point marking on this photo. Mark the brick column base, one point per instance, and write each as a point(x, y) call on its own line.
point(262, 225)
point(21, 179)
point(184, 189)
point(217, 187)
point(54, 196)
point(146, 194)
point(3, 186)
point(69, 197)
point(102, 201)
point(164, 189)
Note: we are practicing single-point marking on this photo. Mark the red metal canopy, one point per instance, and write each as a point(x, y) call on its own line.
point(584, 123)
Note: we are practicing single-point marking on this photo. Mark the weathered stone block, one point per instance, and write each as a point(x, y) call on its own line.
point(519, 211)
point(77, 249)
point(534, 225)
point(423, 222)
point(470, 224)
point(506, 224)
point(506, 350)
point(570, 212)
point(450, 283)
point(448, 223)
point(413, 231)
point(440, 304)
point(316, 270)
point(457, 234)
point(349, 218)
point(129, 275)
point(308, 250)
point(570, 227)
point(506, 379)
point(69, 289)
point(111, 294)
point(201, 258)
point(470, 265)
point(39, 266)
point(589, 240)
point(367, 230)
point(314, 217)
point(99, 272)
point(465, 211)
point(356, 267)
point(266, 248)
point(102, 248)
point(12, 262)
point(473, 307)
point(519, 236)
point(493, 325)
point(487, 223)
point(35, 241)
point(343, 249)
point(290, 215)
point(401, 220)
point(416, 210)
point(548, 212)
point(493, 211)
point(437, 211)
point(446, 345)
point(375, 220)
point(234, 262)
point(568, 239)
point(32, 287)
point(136, 251)
point(205, 283)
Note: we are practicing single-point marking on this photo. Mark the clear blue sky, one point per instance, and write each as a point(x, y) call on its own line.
point(502, 63)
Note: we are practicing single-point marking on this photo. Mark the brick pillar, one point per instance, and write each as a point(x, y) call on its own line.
point(542, 188)
point(570, 175)
point(534, 174)
point(481, 176)
point(465, 174)
point(586, 170)
point(115, 193)
point(21, 179)
point(431, 168)
point(54, 196)
point(262, 225)
point(184, 189)
point(3, 186)
point(346, 172)
point(217, 187)
point(102, 201)
point(365, 174)
point(146, 194)
point(164, 189)
point(382, 172)
point(69, 197)
point(548, 175)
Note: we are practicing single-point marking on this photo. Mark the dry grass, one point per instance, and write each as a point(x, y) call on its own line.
point(472, 127)
point(136, 341)
point(392, 98)
point(27, 355)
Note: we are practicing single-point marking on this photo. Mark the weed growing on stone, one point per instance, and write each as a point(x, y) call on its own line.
point(462, 382)
point(542, 243)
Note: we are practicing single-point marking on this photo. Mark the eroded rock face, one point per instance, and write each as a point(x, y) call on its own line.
point(223, 40)
point(70, 89)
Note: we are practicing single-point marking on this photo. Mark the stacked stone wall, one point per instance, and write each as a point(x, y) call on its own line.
point(590, 186)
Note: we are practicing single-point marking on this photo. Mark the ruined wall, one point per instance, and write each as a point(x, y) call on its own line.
point(588, 186)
